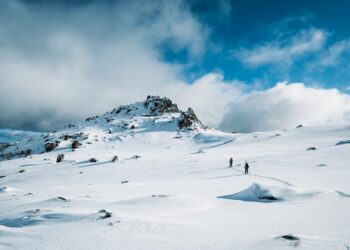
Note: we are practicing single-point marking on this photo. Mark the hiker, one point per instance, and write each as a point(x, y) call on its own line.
point(231, 161)
point(246, 168)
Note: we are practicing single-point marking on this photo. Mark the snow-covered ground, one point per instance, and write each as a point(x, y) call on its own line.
point(10, 135)
point(172, 189)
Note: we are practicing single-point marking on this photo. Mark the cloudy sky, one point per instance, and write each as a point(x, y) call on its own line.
point(246, 65)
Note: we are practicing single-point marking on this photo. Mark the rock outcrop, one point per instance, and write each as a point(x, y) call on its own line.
point(188, 118)
point(154, 114)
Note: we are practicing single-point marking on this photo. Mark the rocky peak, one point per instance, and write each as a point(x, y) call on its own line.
point(154, 114)
point(158, 105)
point(188, 118)
point(155, 107)
point(152, 106)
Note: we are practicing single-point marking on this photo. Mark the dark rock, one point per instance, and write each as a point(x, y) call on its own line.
point(2, 176)
point(343, 142)
point(4, 145)
point(60, 158)
point(158, 105)
point(132, 126)
point(115, 158)
point(105, 214)
point(76, 144)
point(311, 148)
point(125, 125)
point(289, 237)
point(268, 197)
point(155, 105)
point(123, 182)
point(25, 153)
point(62, 198)
point(8, 155)
point(187, 118)
point(51, 146)
point(22, 171)
point(93, 160)
point(299, 126)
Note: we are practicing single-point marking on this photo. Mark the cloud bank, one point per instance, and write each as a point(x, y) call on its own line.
point(285, 106)
point(60, 64)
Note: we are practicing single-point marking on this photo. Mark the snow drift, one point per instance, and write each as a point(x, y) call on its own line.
point(258, 192)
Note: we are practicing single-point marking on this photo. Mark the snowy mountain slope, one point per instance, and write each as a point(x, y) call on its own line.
point(171, 188)
point(10, 135)
point(154, 114)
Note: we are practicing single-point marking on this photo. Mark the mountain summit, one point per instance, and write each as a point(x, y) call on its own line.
point(154, 114)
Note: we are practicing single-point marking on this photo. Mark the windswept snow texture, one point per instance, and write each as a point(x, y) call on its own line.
point(162, 191)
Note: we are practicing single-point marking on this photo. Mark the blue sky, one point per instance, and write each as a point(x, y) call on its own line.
point(242, 65)
point(237, 26)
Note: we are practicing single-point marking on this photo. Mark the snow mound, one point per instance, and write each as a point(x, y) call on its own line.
point(308, 242)
point(29, 218)
point(342, 142)
point(38, 217)
point(266, 193)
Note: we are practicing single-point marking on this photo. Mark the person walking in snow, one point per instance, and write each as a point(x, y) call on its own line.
point(231, 161)
point(246, 168)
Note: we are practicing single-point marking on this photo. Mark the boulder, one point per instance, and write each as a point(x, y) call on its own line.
point(93, 160)
point(60, 158)
point(105, 214)
point(51, 146)
point(76, 144)
point(187, 118)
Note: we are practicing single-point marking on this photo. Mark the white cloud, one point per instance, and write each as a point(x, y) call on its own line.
point(62, 64)
point(285, 106)
point(333, 55)
point(285, 50)
point(209, 96)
